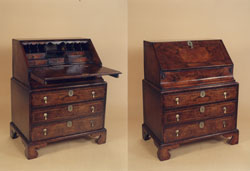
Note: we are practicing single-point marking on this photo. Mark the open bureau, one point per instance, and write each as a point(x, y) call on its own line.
point(189, 93)
point(57, 92)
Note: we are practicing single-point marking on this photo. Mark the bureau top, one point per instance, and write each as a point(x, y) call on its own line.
point(187, 63)
point(56, 60)
point(190, 54)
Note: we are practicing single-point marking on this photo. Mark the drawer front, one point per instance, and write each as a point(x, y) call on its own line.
point(73, 95)
point(67, 111)
point(200, 112)
point(199, 97)
point(67, 128)
point(197, 129)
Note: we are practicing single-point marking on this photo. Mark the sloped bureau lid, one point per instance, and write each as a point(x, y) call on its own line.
point(191, 54)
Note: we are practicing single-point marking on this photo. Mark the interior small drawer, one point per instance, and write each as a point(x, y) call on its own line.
point(56, 113)
point(200, 112)
point(199, 97)
point(69, 127)
point(50, 98)
point(192, 130)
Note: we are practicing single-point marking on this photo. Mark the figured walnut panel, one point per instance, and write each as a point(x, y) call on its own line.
point(194, 130)
point(194, 97)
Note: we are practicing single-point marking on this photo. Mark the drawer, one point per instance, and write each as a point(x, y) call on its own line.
point(199, 97)
point(200, 112)
point(67, 111)
point(211, 126)
point(67, 128)
point(50, 98)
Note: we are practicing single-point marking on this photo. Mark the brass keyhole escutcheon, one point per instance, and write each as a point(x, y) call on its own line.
point(70, 108)
point(225, 110)
point(45, 132)
point(92, 109)
point(202, 124)
point(202, 109)
point(177, 117)
point(45, 98)
point(203, 94)
point(69, 124)
point(45, 115)
point(177, 133)
point(225, 95)
point(93, 94)
point(177, 99)
point(71, 93)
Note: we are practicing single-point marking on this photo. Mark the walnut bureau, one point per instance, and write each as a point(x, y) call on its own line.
point(57, 92)
point(189, 93)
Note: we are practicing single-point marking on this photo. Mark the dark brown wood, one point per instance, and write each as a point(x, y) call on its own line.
point(62, 96)
point(210, 126)
point(55, 73)
point(57, 92)
point(67, 127)
point(163, 152)
point(194, 97)
point(20, 106)
point(70, 111)
point(207, 53)
point(193, 113)
point(234, 137)
point(197, 76)
point(189, 93)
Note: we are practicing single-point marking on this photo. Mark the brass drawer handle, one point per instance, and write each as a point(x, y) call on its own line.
point(224, 124)
point(225, 110)
point(71, 93)
point(177, 117)
point(202, 109)
point(202, 124)
point(93, 94)
point(45, 98)
point(203, 94)
point(92, 124)
point(225, 95)
point(92, 109)
point(70, 108)
point(177, 133)
point(45, 132)
point(45, 115)
point(69, 124)
point(177, 99)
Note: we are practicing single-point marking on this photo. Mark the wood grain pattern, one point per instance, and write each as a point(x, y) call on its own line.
point(62, 112)
point(193, 97)
point(194, 113)
point(189, 93)
point(57, 92)
point(183, 78)
point(180, 55)
point(62, 96)
point(193, 130)
point(61, 129)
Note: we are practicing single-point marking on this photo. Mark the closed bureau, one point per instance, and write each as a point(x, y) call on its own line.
point(189, 93)
point(57, 92)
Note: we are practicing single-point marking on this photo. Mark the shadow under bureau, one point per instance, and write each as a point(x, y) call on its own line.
point(189, 93)
point(57, 92)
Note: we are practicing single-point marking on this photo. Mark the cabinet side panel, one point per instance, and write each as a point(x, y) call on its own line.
point(20, 107)
point(95, 56)
point(152, 109)
point(151, 65)
point(19, 63)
